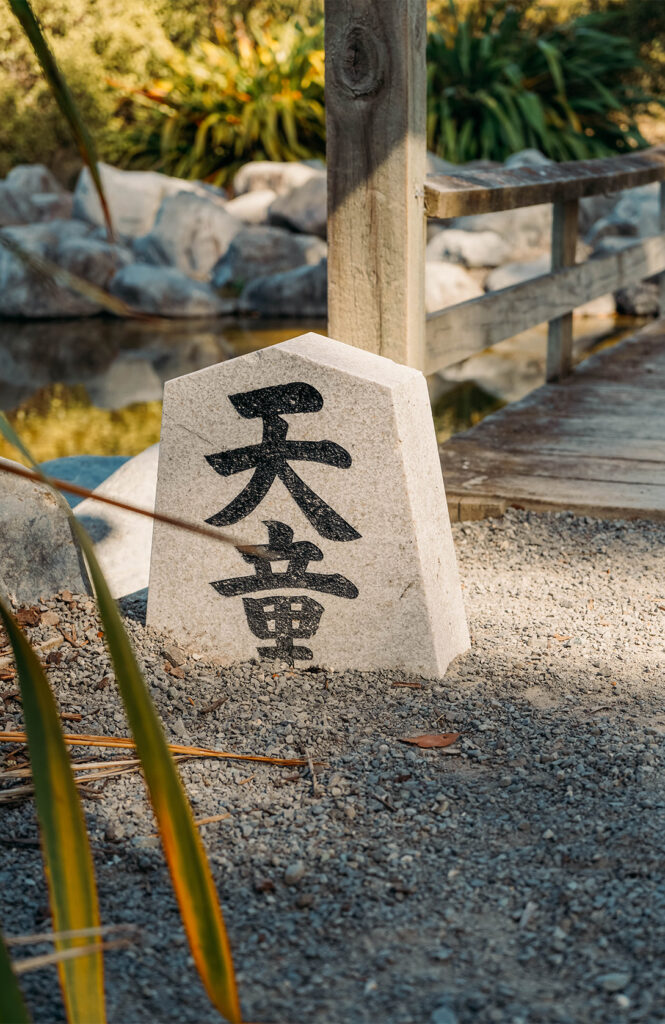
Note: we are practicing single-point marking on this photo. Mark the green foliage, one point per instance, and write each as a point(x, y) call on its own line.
point(257, 95)
point(496, 87)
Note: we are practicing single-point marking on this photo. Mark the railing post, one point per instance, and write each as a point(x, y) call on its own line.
point(560, 333)
point(376, 155)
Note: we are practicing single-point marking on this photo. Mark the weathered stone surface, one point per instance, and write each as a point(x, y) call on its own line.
point(528, 158)
point(53, 205)
point(26, 294)
point(256, 252)
point(123, 539)
point(38, 555)
point(33, 179)
point(302, 292)
point(514, 273)
point(165, 291)
point(304, 208)
point(191, 233)
point(252, 207)
point(524, 230)
point(271, 174)
point(447, 284)
point(15, 206)
point(134, 197)
point(372, 580)
point(470, 248)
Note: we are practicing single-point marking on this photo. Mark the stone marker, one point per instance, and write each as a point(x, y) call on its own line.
point(324, 458)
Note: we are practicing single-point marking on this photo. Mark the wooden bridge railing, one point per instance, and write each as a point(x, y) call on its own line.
point(379, 198)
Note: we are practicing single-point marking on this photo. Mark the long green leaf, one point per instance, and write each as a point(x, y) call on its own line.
point(12, 1007)
point(63, 97)
point(190, 872)
point(66, 850)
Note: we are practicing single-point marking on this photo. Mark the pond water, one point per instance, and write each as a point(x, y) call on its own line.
point(94, 386)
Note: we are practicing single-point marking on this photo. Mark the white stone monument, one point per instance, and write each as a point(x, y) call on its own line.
point(324, 458)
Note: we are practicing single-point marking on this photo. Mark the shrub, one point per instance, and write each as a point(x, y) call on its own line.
point(256, 95)
point(496, 86)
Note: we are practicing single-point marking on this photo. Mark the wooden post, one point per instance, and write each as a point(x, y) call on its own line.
point(661, 280)
point(376, 155)
point(560, 333)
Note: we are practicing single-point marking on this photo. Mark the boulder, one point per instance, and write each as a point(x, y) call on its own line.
point(514, 273)
point(191, 233)
point(470, 248)
point(134, 197)
point(257, 252)
point(252, 207)
point(528, 158)
point(38, 554)
point(527, 231)
point(304, 208)
point(26, 294)
point(641, 299)
point(166, 291)
point(446, 284)
point(302, 292)
point(123, 539)
point(611, 226)
point(268, 174)
point(53, 205)
point(15, 206)
point(641, 208)
point(33, 179)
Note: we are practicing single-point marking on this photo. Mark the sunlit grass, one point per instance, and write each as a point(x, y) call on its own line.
point(59, 420)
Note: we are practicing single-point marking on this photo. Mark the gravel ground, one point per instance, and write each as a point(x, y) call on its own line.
point(515, 877)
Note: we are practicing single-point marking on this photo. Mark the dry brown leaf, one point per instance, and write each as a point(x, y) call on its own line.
point(28, 616)
point(432, 739)
point(561, 638)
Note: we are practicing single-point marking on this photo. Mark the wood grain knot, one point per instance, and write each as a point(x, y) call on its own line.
point(360, 69)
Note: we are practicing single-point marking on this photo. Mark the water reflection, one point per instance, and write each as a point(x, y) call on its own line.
point(94, 386)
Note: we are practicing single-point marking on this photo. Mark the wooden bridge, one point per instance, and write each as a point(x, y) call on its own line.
point(591, 439)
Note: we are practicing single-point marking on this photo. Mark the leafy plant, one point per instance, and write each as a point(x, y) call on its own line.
point(495, 87)
point(255, 95)
point(72, 892)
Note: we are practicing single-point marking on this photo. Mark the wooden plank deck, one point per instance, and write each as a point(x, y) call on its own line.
point(593, 443)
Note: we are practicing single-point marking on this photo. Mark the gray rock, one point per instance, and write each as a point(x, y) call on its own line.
point(436, 165)
point(38, 554)
point(640, 208)
point(134, 197)
point(165, 291)
point(91, 259)
point(15, 206)
point(641, 299)
point(614, 981)
point(444, 1014)
point(527, 230)
point(515, 273)
point(52, 205)
point(294, 873)
point(304, 208)
point(528, 158)
point(470, 248)
point(268, 174)
point(302, 292)
point(252, 207)
point(23, 293)
point(33, 179)
point(256, 252)
point(446, 284)
point(191, 232)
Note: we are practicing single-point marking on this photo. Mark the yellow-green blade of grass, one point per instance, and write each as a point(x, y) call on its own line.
point(190, 872)
point(188, 864)
point(66, 850)
point(12, 1008)
point(63, 97)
